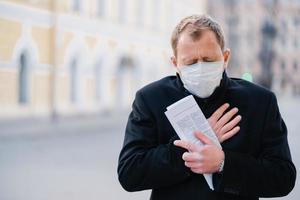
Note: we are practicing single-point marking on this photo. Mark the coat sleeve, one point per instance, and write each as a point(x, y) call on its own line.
point(271, 174)
point(143, 163)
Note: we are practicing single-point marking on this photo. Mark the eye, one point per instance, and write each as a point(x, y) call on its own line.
point(191, 62)
point(208, 60)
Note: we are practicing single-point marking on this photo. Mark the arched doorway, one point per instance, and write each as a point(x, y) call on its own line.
point(98, 80)
point(74, 79)
point(126, 84)
point(23, 78)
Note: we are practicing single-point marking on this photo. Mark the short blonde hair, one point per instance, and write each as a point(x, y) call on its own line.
point(197, 24)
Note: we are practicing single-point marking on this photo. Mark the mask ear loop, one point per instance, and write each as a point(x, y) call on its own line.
point(227, 61)
point(178, 71)
point(225, 65)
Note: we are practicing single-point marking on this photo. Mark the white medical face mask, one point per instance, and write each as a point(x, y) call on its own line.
point(202, 78)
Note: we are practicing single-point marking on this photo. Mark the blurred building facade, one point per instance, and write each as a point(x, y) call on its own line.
point(64, 57)
point(264, 40)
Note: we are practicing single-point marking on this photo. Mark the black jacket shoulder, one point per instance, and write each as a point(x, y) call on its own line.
point(161, 85)
point(250, 90)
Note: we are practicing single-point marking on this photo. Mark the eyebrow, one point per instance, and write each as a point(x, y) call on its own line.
point(187, 59)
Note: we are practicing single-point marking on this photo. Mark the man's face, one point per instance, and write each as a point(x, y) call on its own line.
point(204, 49)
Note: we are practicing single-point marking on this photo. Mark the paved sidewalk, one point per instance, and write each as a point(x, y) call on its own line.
point(36, 127)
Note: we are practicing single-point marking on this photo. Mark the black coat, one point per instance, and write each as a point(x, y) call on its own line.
point(257, 160)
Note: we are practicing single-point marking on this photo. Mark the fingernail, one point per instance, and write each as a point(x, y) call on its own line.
point(197, 132)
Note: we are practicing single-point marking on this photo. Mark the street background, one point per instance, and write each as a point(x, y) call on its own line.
point(69, 70)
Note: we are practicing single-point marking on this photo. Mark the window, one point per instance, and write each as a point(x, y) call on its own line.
point(296, 43)
point(140, 9)
point(296, 21)
point(98, 80)
point(125, 81)
point(295, 65)
point(74, 81)
point(283, 41)
point(23, 78)
point(101, 5)
point(122, 11)
point(232, 22)
point(282, 65)
point(76, 5)
point(156, 14)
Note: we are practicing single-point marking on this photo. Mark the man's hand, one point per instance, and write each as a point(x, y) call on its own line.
point(201, 159)
point(221, 124)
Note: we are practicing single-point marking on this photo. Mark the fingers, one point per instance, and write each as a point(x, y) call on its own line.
point(186, 145)
point(219, 112)
point(191, 156)
point(226, 118)
point(229, 134)
point(203, 138)
point(193, 147)
point(192, 159)
point(230, 125)
point(195, 165)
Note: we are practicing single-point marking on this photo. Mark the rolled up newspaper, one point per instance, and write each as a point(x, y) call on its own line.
point(186, 116)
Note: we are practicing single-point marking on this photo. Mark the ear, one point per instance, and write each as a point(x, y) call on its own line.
point(174, 61)
point(226, 55)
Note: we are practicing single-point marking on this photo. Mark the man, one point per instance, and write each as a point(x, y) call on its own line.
point(255, 159)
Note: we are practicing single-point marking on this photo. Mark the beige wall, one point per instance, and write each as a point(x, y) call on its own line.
point(44, 39)
point(8, 88)
point(53, 42)
point(40, 4)
point(10, 32)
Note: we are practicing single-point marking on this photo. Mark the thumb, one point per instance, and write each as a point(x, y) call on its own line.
point(203, 138)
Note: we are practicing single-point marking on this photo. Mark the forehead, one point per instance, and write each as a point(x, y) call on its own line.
point(205, 45)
